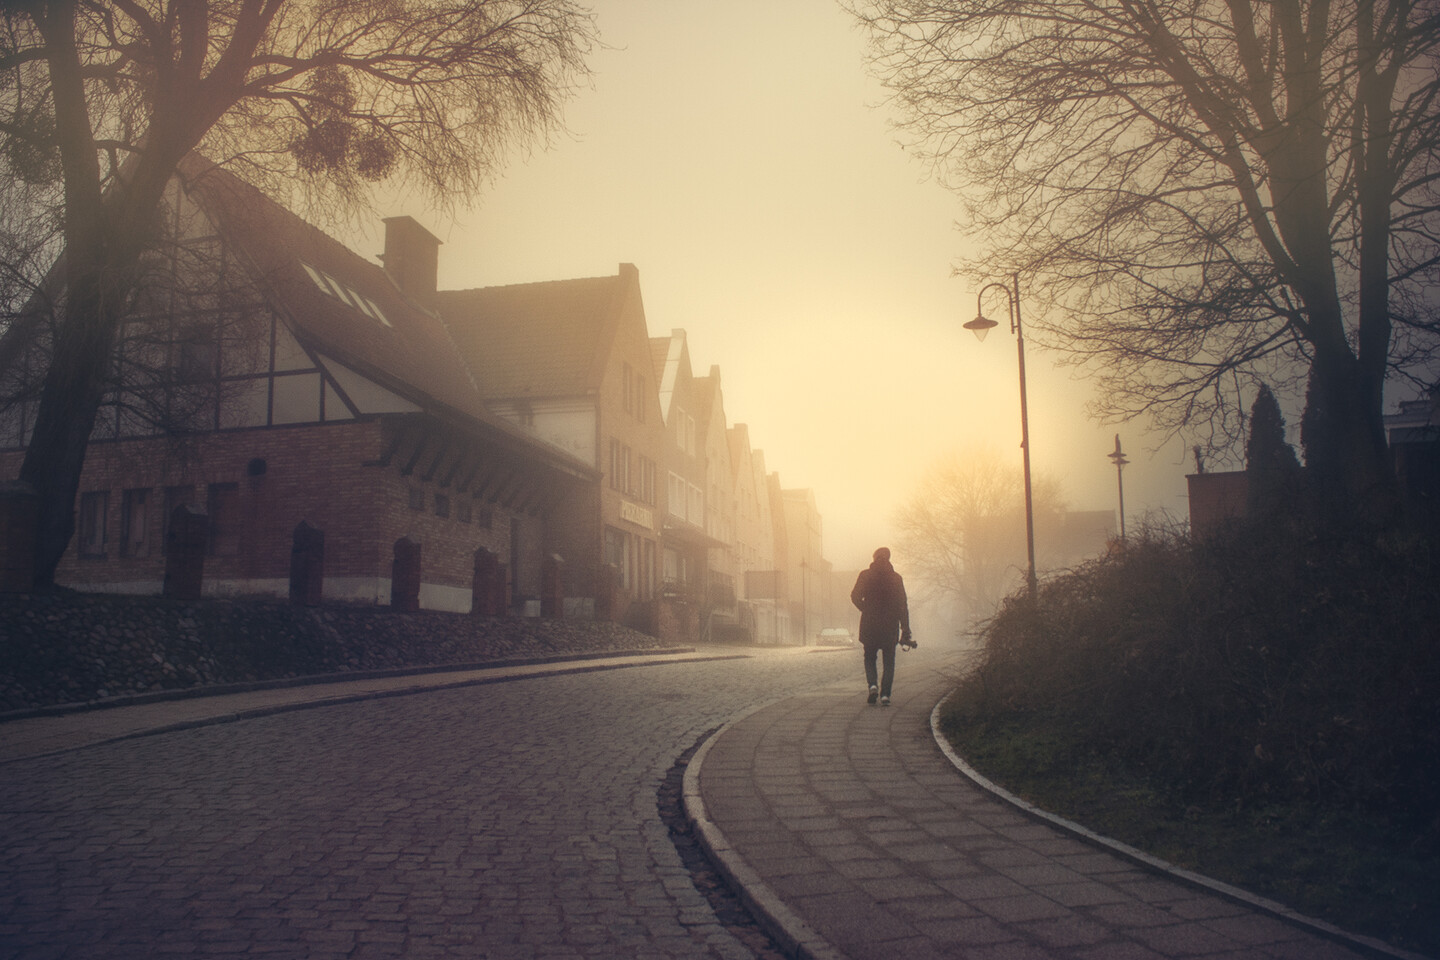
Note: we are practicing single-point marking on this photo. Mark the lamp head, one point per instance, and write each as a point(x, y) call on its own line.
point(1119, 455)
point(980, 326)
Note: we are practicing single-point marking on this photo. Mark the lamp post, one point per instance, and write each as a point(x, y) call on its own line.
point(980, 326)
point(1119, 457)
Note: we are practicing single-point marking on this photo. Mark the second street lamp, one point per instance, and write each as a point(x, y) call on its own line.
point(1119, 458)
point(980, 326)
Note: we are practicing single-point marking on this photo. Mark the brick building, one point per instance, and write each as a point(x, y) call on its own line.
point(274, 378)
point(567, 362)
point(528, 440)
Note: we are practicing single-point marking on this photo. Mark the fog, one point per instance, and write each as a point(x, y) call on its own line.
point(736, 154)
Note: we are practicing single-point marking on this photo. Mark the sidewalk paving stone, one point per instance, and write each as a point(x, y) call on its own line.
point(905, 850)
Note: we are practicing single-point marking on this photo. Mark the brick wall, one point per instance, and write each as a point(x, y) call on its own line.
point(324, 474)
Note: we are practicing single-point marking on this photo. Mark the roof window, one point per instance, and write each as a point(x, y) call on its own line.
point(334, 288)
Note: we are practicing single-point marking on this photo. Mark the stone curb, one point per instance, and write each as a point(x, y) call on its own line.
point(794, 936)
point(644, 659)
point(1367, 945)
point(283, 683)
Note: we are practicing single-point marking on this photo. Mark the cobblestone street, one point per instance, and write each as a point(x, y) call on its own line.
point(511, 820)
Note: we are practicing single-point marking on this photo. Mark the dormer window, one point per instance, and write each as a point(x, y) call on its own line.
point(336, 290)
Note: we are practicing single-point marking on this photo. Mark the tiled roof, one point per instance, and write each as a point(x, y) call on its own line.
point(547, 339)
point(411, 352)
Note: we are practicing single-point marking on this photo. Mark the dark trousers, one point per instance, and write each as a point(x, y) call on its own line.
point(889, 662)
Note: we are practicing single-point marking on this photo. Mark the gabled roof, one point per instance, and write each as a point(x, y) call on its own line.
point(549, 339)
point(383, 334)
point(659, 351)
point(707, 398)
point(410, 351)
point(672, 368)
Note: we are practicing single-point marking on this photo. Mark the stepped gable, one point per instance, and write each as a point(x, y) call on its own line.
point(548, 339)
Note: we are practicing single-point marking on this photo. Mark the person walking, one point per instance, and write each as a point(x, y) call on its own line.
point(884, 621)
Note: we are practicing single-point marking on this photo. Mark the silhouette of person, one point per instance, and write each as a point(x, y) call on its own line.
point(884, 620)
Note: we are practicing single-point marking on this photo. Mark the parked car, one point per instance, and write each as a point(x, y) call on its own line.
point(835, 637)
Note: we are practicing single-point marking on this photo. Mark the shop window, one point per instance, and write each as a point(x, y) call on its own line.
point(618, 554)
point(93, 506)
point(647, 569)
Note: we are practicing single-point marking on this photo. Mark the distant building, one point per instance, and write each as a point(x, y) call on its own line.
point(1414, 435)
point(760, 584)
point(1216, 498)
point(722, 609)
point(567, 363)
point(806, 569)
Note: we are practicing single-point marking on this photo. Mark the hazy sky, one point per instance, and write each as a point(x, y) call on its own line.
point(738, 154)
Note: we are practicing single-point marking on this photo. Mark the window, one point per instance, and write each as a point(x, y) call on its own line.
point(618, 553)
point(627, 387)
point(645, 489)
point(417, 498)
point(647, 569)
point(640, 399)
point(196, 353)
point(297, 399)
point(135, 524)
point(442, 505)
point(92, 523)
point(696, 513)
point(334, 288)
point(464, 510)
point(619, 466)
point(676, 499)
point(486, 518)
point(224, 508)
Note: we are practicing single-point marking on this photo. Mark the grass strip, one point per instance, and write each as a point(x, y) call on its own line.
point(1346, 868)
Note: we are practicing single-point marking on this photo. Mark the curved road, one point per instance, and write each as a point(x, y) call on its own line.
point(511, 820)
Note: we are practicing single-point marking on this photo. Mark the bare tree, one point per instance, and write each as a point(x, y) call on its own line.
point(1209, 195)
point(99, 102)
point(963, 532)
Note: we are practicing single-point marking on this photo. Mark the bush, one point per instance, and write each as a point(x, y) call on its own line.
point(1244, 668)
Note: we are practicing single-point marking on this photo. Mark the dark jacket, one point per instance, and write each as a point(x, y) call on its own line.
point(884, 612)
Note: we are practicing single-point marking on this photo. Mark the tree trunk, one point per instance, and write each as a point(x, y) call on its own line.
point(1347, 460)
point(74, 387)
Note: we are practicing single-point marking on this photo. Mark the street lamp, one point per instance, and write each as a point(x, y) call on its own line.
point(980, 326)
point(1119, 457)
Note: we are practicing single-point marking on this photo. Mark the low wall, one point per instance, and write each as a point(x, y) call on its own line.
point(72, 648)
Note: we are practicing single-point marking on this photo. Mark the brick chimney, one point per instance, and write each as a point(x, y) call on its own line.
point(411, 257)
